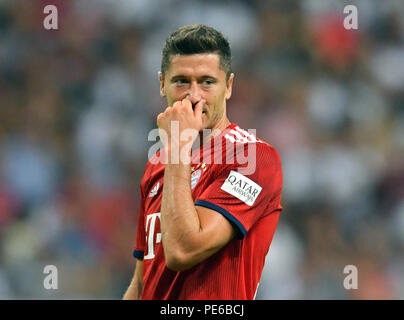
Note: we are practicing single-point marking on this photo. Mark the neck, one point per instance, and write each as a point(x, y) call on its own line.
point(222, 124)
point(211, 133)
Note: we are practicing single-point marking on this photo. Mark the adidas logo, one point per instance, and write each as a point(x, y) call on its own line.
point(155, 189)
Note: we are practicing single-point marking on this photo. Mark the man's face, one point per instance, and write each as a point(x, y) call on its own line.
point(197, 77)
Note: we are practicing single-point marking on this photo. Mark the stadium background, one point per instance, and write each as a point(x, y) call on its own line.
point(76, 106)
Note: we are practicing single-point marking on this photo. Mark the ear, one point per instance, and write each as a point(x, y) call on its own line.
point(229, 86)
point(162, 89)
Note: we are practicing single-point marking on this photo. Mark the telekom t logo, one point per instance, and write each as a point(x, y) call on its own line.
point(150, 230)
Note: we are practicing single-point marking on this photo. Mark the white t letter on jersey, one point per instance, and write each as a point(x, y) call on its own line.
point(150, 234)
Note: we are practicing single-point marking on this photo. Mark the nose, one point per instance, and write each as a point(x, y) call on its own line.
point(193, 93)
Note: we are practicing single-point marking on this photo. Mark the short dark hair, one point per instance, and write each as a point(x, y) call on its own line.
point(197, 38)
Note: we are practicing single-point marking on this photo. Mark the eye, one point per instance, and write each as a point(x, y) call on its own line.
point(181, 81)
point(208, 82)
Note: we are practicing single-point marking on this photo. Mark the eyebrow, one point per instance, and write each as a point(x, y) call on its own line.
point(181, 76)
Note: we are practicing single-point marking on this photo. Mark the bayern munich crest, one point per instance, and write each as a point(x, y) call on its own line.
point(195, 177)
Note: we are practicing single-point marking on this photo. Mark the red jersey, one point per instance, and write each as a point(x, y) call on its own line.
point(240, 177)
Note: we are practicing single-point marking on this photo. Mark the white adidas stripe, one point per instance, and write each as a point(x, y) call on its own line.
point(241, 136)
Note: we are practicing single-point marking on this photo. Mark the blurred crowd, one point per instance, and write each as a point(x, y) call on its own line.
point(77, 104)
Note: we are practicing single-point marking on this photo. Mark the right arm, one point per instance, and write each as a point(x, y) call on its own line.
point(135, 288)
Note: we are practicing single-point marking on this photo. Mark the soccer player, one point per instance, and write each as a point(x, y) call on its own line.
point(207, 217)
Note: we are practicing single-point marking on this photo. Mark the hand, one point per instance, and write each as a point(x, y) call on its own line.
point(179, 125)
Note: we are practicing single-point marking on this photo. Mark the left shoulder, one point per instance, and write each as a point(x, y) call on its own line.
point(254, 148)
point(268, 154)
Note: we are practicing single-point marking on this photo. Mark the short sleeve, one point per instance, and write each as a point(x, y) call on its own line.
point(140, 244)
point(244, 196)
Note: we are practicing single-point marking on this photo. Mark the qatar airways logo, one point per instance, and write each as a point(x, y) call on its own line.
point(241, 187)
point(233, 146)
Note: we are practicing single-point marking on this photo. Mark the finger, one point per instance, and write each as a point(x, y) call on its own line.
point(199, 108)
point(177, 104)
point(187, 102)
point(160, 118)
